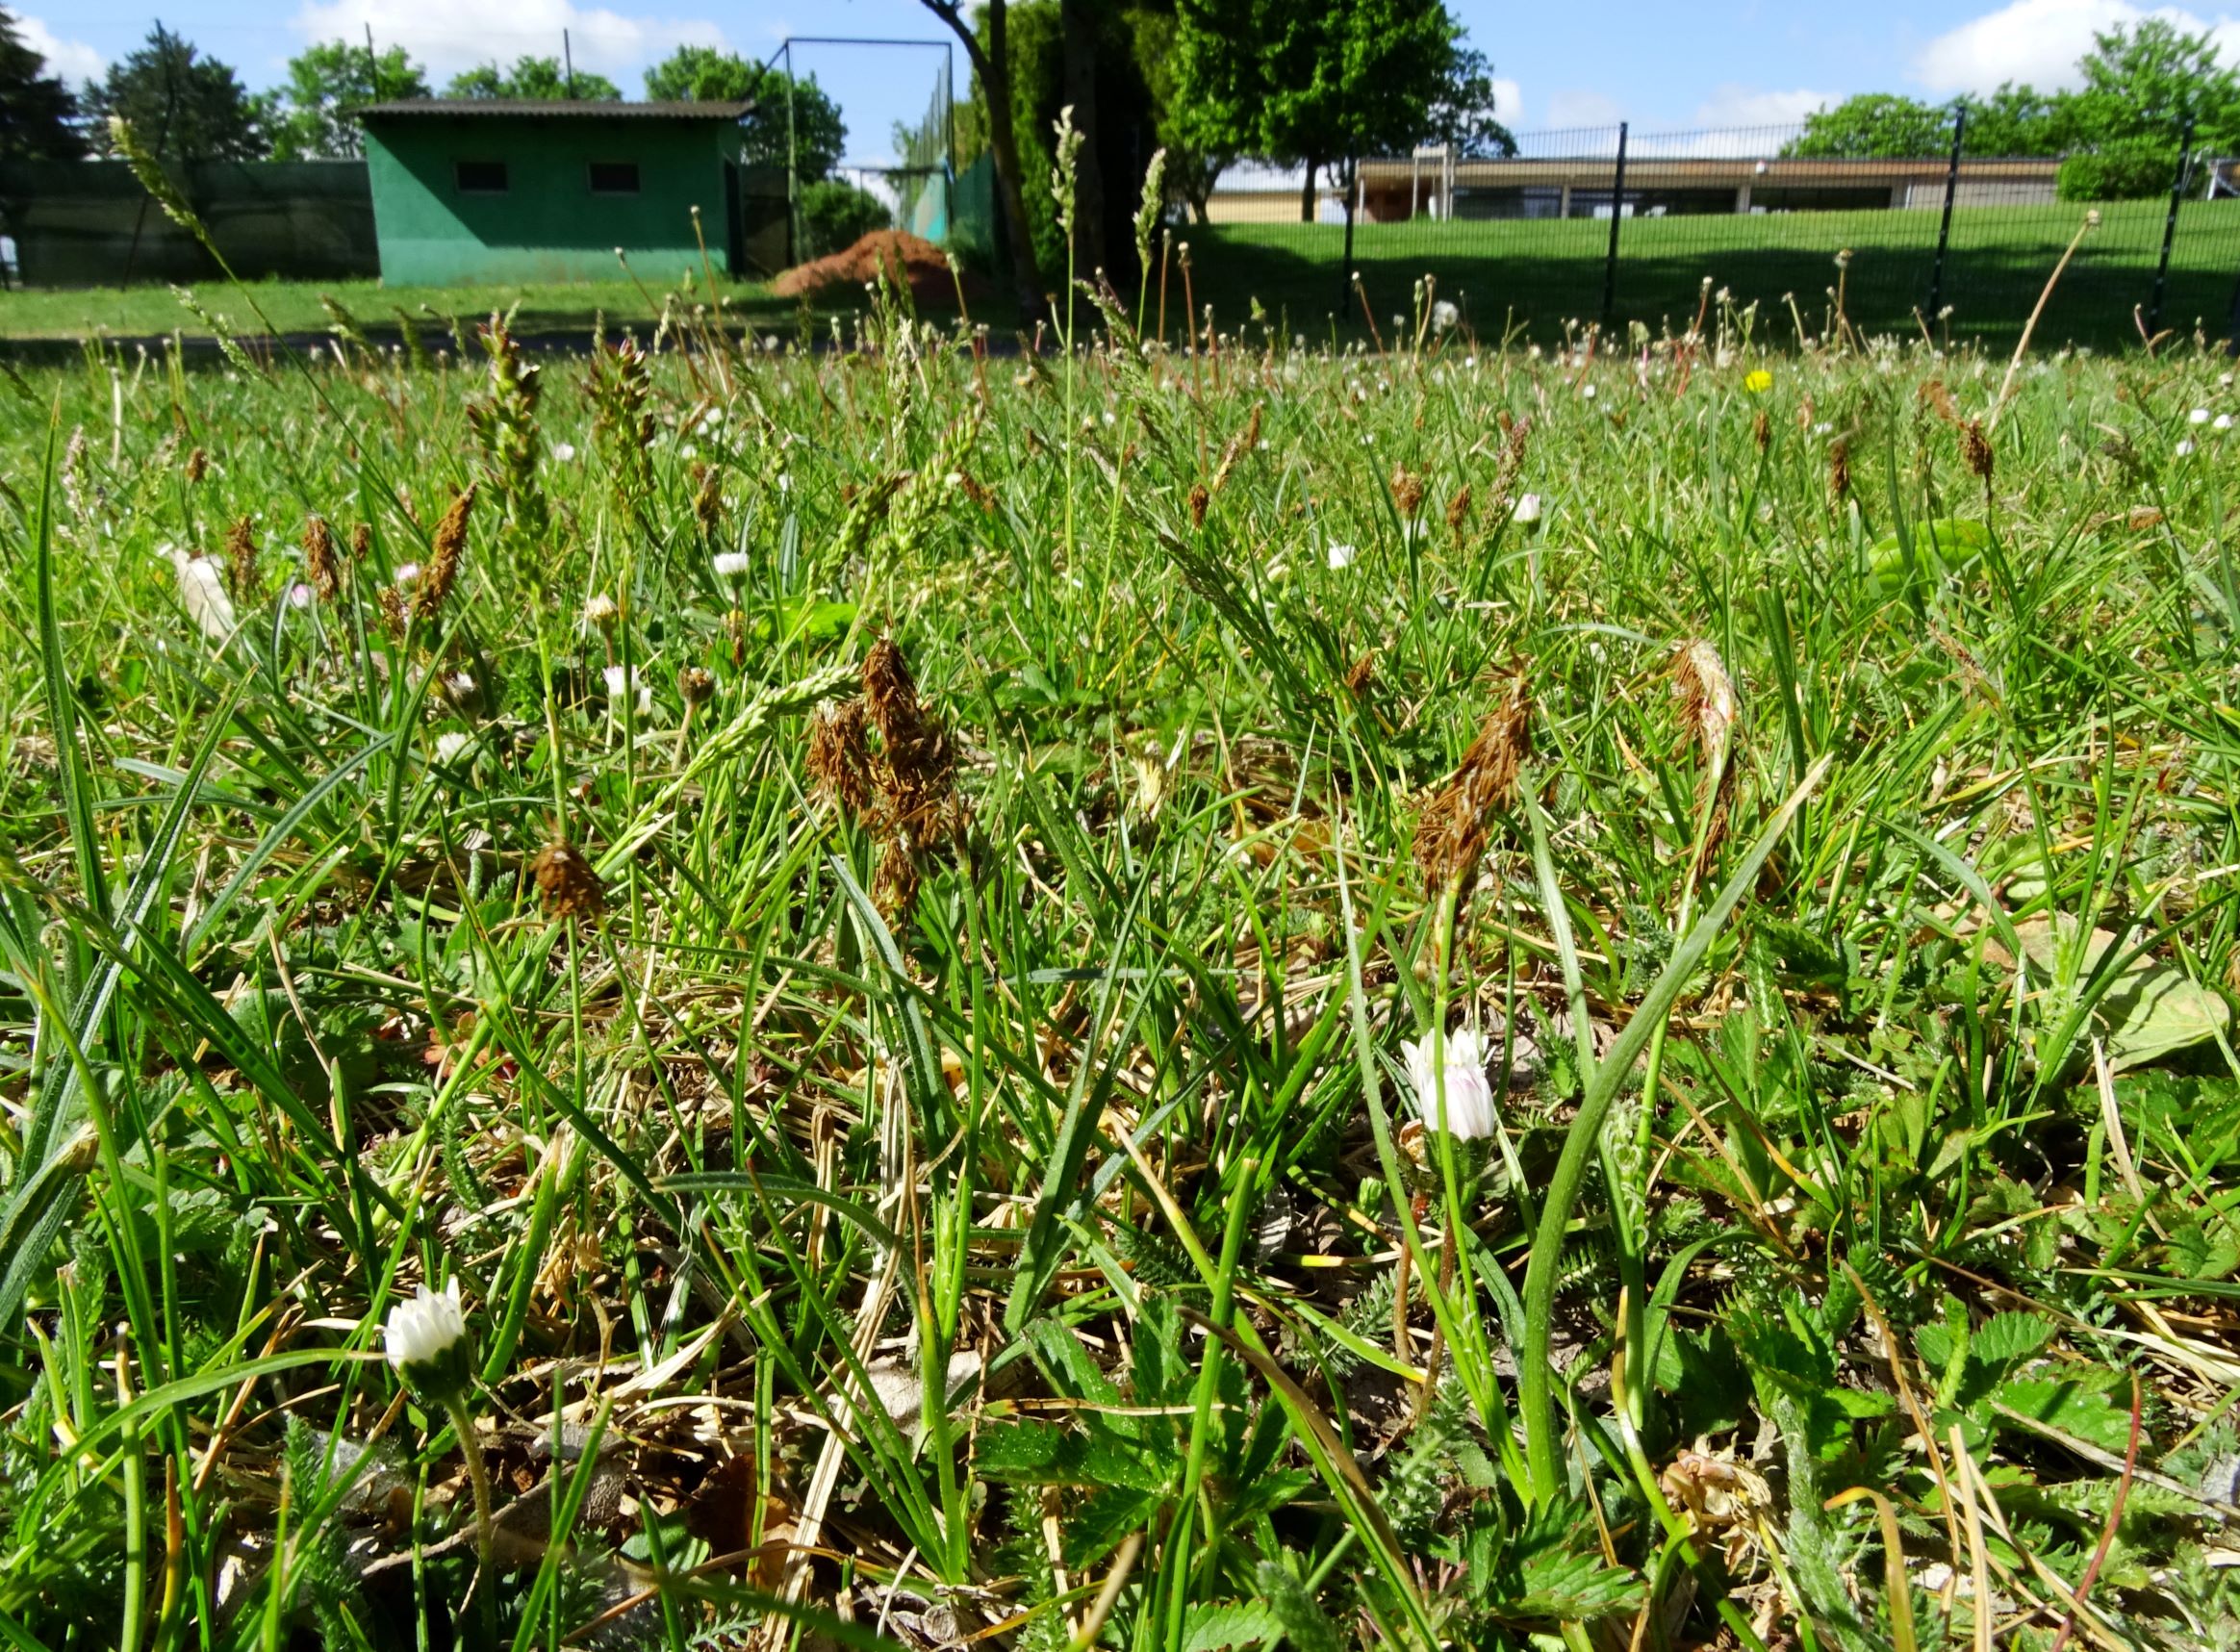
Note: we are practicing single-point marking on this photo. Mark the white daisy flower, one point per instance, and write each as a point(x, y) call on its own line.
point(425, 1340)
point(1461, 1069)
point(1528, 508)
point(1340, 555)
point(202, 593)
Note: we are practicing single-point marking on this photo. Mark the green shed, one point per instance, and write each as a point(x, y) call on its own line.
point(470, 189)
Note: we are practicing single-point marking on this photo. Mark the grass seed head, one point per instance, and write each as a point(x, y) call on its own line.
point(1762, 431)
point(361, 541)
point(318, 558)
point(1407, 490)
point(198, 465)
point(1458, 510)
point(1200, 498)
point(241, 549)
point(839, 757)
point(1976, 450)
point(917, 768)
point(1839, 469)
point(1239, 445)
point(707, 499)
point(894, 887)
point(565, 882)
point(445, 548)
point(1708, 705)
point(1709, 711)
point(1450, 834)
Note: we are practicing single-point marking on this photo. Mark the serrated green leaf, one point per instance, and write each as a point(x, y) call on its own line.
point(2073, 1408)
point(1209, 1626)
point(2005, 1340)
point(1567, 1588)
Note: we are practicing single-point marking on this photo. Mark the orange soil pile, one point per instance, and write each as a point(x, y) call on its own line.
point(904, 257)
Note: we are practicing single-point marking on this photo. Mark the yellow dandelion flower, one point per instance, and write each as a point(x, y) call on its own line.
point(1757, 381)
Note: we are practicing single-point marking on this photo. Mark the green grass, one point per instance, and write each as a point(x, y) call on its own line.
point(1540, 275)
point(1546, 273)
point(963, 1179)
point(293, 306)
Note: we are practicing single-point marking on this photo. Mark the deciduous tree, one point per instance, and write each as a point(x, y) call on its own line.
point(1310, 82)
point(705, 74)
point(324, 84)
point(533, 80)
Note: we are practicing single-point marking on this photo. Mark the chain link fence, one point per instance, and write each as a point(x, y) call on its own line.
point(1613, 228)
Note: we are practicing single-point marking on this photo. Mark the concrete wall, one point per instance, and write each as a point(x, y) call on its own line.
point(548, 225)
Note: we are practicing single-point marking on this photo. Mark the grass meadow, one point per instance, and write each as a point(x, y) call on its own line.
point(1164, 997)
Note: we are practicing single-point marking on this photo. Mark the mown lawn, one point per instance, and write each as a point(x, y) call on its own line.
point(1539, 277)
point(1428, 997)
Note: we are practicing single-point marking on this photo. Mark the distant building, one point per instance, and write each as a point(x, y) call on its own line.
point(1434, 185)
point(468, 189)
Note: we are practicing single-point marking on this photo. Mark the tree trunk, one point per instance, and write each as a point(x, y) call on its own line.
point(1306, 190)
point(993, 65)
point(1080, 91)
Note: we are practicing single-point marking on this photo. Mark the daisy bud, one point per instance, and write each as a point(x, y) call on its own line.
point(428, 1345)
point(1450, 1085)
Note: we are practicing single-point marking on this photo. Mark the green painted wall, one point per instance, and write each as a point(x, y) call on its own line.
point(547, 227)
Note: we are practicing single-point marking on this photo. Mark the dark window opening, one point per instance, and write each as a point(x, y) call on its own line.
point(614, 177)
point(481, 177)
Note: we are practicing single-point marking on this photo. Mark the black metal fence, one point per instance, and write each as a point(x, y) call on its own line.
point(1616, 228)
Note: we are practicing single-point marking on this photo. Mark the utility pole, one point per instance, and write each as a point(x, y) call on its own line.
point(567, 57)
point(372, 65)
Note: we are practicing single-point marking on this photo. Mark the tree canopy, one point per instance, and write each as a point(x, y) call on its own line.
point(1309, 82)
point(704, 74)
point(2142, 85)
point(532, 79)
point(311, 114)
point(183, 106)
point(38, 115)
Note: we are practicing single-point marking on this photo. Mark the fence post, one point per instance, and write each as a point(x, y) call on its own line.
point(1346, 173)
point(2170, 228)
point(1945, 223)
point(1617, 215)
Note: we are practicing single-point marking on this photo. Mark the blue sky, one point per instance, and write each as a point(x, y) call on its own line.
point(1666, 67)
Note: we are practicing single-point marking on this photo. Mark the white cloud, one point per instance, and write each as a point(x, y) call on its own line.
point(449, 36)
point(2037, 43)
point(1574, 108)
point(72, 60)
point(1507, 102)
point(1732, 105)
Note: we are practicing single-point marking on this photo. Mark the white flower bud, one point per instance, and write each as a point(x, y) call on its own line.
point(1450, 1085)
point(426, 1342)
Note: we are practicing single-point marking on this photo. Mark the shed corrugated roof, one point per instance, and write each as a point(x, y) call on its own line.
point(552, 109)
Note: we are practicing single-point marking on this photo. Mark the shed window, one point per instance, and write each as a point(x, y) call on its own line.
point(481, 177)
point(614, 177)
